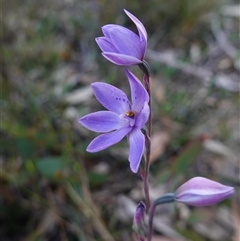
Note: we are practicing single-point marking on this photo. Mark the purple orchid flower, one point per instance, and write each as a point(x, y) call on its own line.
point(122, 118)
point(200, 191)
point(121, 46)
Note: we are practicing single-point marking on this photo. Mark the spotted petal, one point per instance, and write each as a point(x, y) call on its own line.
point(136, 142)
point(103, 121)
point(143, 116)
point(111, 97)
point(138, 92)
point(106, 140)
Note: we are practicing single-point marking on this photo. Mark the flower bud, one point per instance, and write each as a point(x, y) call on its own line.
point(200, 191)
point(123, 47)
point(138, 219)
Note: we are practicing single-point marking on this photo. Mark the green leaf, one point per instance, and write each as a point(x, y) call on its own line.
point(25, 147)
point(187, 156)
point(96, 179)
point(49, 166)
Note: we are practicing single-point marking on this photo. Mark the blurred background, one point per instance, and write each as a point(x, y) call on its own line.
point(52, 189)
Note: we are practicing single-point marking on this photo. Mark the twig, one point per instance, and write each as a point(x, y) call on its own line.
point(85, 188)
point(206, 75)
point(222, 40)
point(55, 209)
point(89, 212)
point(187, 68)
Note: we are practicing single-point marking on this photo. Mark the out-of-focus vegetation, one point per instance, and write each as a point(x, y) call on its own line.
point(52, 189)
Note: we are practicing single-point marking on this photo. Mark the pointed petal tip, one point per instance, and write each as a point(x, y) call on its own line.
point(136, 144)
point(90, 150)
point(97, 40)
point(127, 12)
point(93, 84)
point(80, 121)
point(96, 84)
point(133, 168)
point(93, 148)
point(138, 92)
point(141, 30)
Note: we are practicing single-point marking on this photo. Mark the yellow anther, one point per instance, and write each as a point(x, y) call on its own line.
point(130, 114)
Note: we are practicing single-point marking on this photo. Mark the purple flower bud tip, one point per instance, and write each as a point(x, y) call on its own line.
point(121, 46)
point(138, 220)
point(200, 191)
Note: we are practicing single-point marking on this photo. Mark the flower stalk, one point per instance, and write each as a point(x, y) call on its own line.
point(145, 175)
point(166, 198)
point(124, 117)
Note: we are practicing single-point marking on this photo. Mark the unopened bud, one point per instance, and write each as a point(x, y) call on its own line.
point(138, 220)
point(200, 191)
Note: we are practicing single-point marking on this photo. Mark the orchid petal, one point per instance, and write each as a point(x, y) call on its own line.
point(124, 40)
point(141, 30)
point(105, 45)
point(143, 116)
point(106, 140)
point(136, 142)
point(103, 121)
point(138, 92)
point(111, 97)
point(121, 59)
